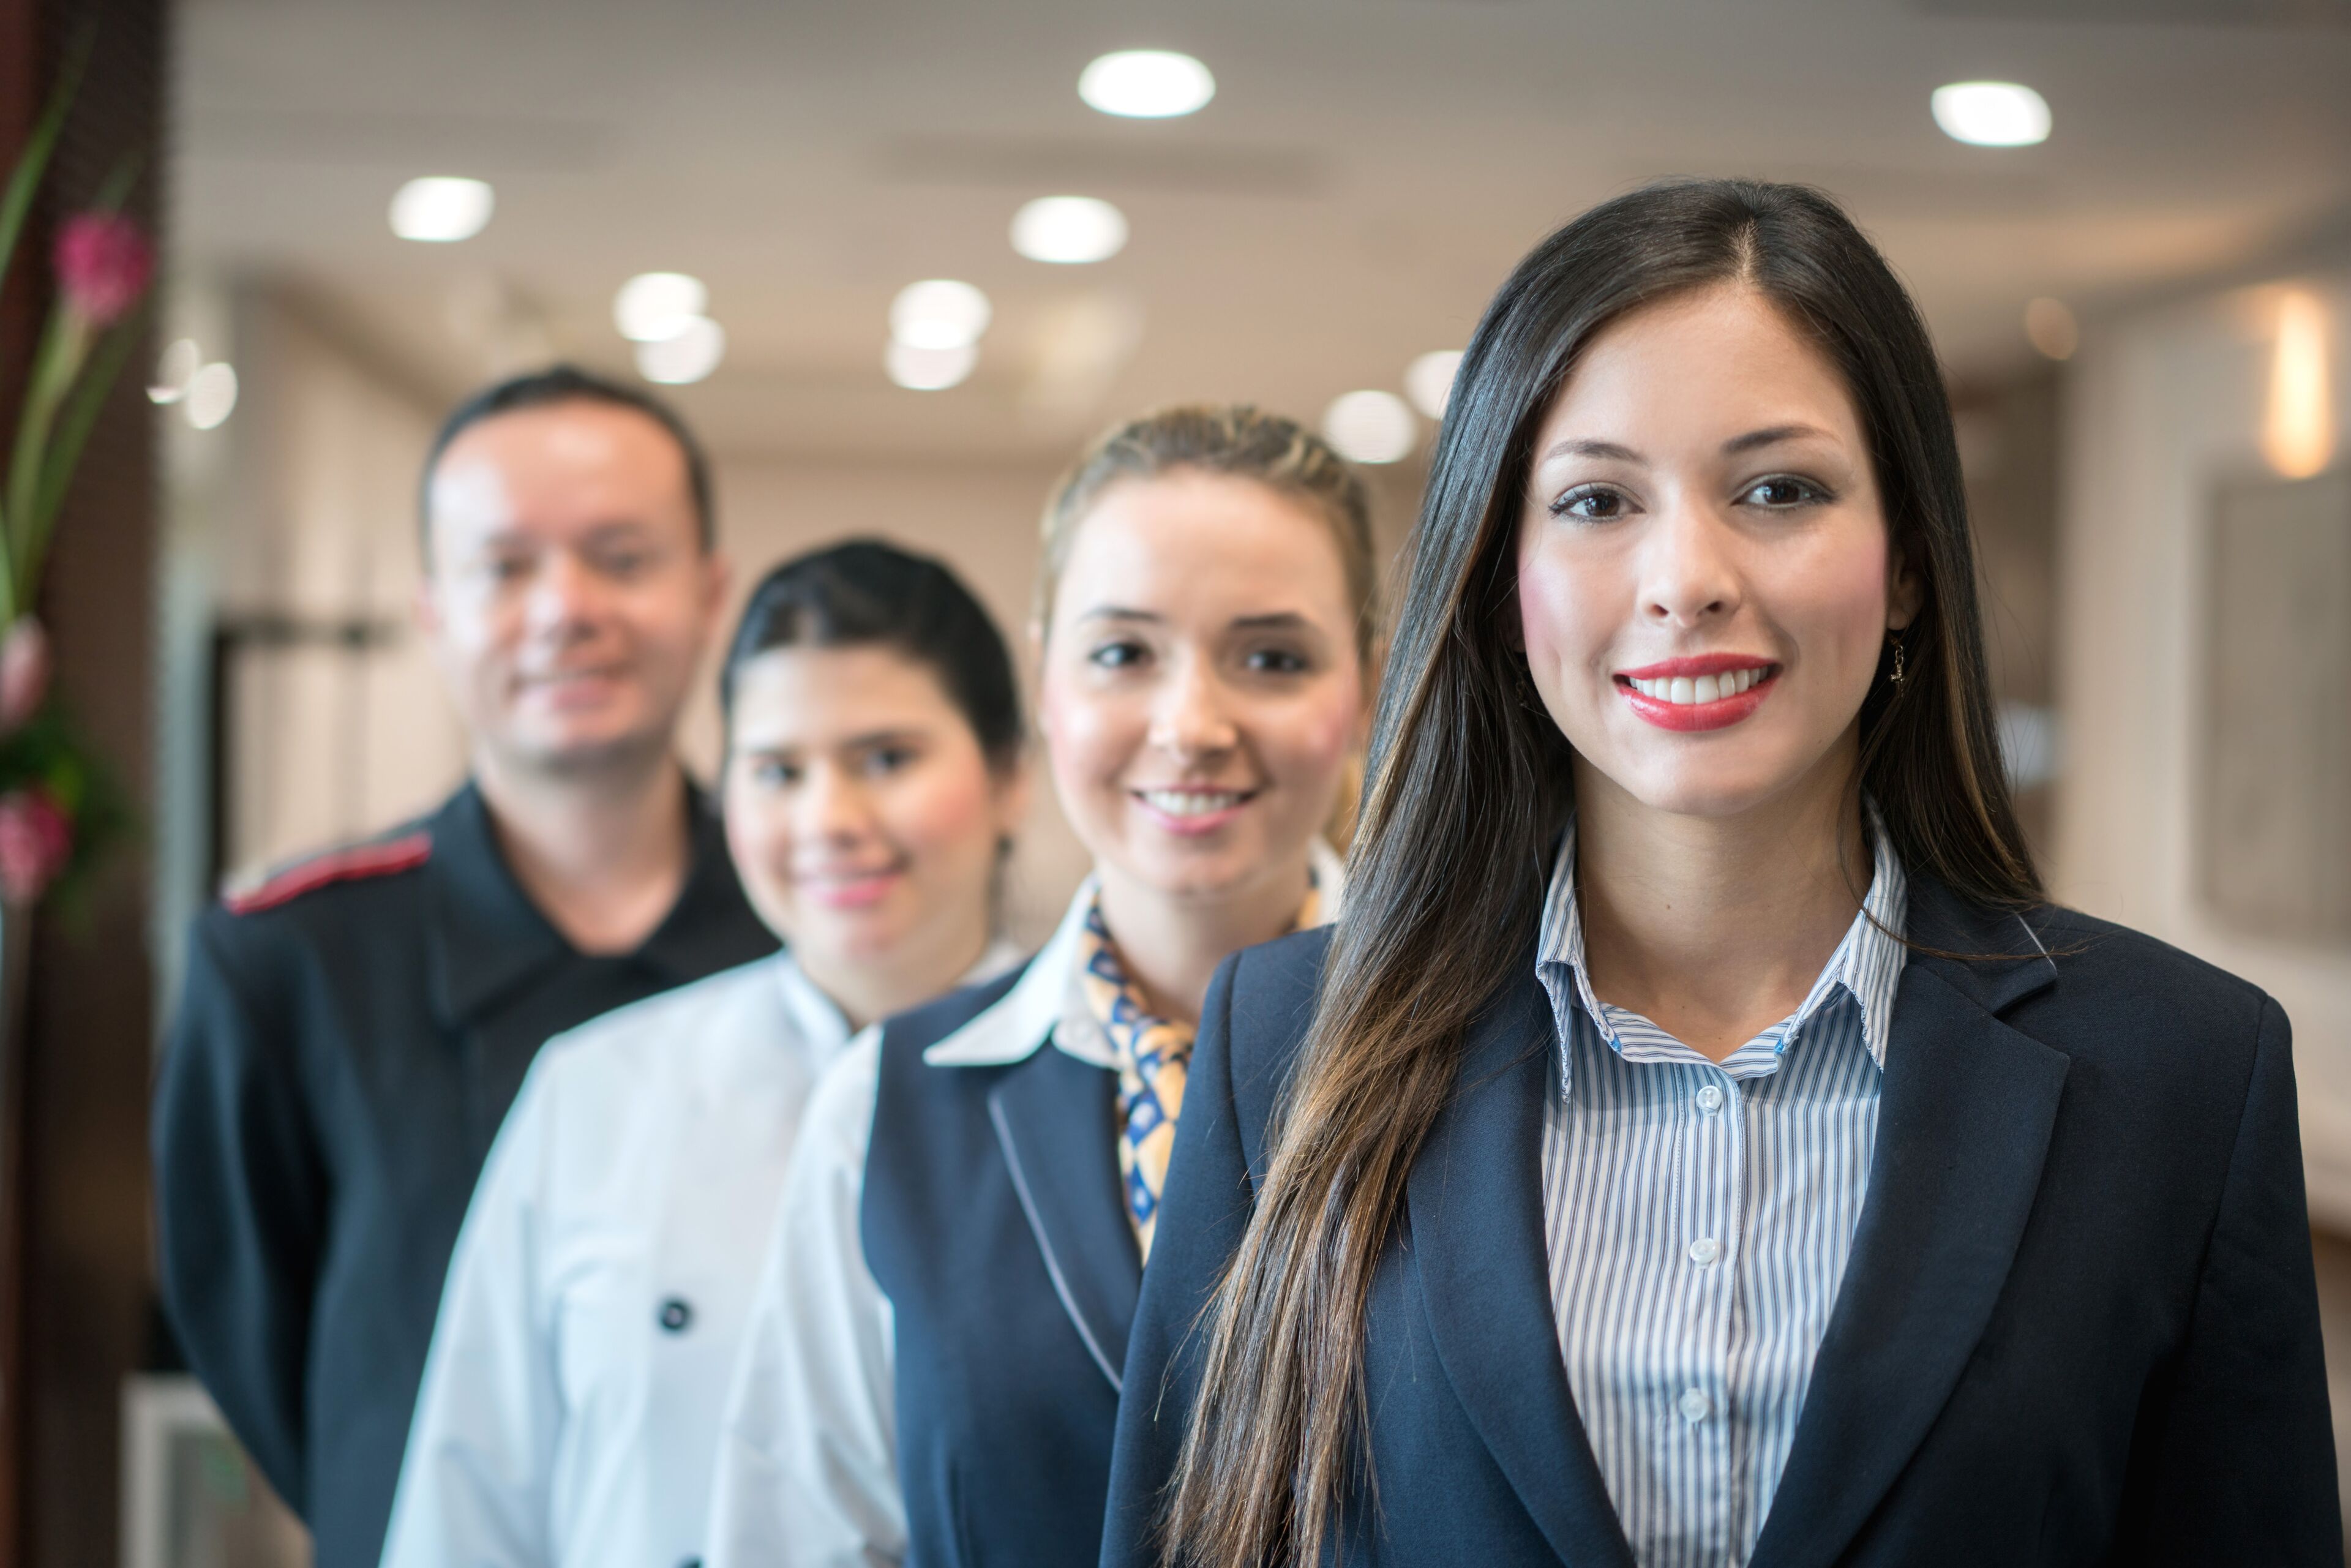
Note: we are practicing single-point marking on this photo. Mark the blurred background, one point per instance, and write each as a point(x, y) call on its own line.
point(2131, 235)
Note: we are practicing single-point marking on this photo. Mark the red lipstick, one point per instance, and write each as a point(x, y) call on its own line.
point(1657, 706)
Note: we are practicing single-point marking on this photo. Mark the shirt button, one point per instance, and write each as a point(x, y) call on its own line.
point(676, 1316)
point(1705, 1250)
point(1709, 1099)
point(1694, 1406)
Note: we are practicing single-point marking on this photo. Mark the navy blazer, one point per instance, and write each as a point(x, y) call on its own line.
point(2078, 1324)
point(992, 1218)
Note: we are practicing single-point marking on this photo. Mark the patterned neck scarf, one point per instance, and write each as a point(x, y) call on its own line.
point(1155, 1054)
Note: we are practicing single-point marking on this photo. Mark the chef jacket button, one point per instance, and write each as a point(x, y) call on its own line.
point(676, 1316)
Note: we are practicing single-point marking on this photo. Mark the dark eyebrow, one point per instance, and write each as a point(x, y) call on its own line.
point(871, 737)
point(1121, 613)
point(1771, 436)
point(1274, 621)
point(1593, 449)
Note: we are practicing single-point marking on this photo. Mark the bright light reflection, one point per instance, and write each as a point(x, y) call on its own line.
point(1069, 230)
point(440, 209)
point(939, 313)
point(175, 367)
point(1146, 84)
point(2052, 327)
point(1428, 380)
point(211, 397)
point(685, 356)
point(928, 369)
point(1370, 426)
point(2298, 431)
point(1991, 113)
point(654, 306)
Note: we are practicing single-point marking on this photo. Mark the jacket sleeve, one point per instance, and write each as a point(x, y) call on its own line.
point(807, 1453)
point(240, 1194)
point(1202, 1214)
point(2233, 1460)
point(476, 1481)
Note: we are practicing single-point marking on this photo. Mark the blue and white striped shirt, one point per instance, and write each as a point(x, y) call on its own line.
point(1697, 1219)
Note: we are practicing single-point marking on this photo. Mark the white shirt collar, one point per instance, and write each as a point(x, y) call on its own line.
point(818, 1017)
point(1039, 1006)
point(821, 1021)
point(1867, 963)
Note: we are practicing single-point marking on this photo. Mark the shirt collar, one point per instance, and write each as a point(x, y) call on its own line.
point(821, 1021)
point(492, 941)
point(1866, 965)
point(1047, 1003)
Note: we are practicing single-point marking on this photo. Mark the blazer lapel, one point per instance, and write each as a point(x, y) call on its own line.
point(1474, 1203)
point(1055, 1119)
point(1964, 1123)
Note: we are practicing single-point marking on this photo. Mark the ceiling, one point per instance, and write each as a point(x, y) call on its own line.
point(1367, 173)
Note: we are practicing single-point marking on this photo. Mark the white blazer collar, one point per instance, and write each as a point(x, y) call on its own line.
point(1024, 1016)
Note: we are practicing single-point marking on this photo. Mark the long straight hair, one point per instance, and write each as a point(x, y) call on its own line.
point(1468, 785)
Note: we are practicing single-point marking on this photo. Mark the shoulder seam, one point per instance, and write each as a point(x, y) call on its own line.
point(354, 864)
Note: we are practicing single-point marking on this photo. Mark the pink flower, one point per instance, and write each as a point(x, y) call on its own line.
point(24, 673)
point(35, 841)
point(103, 263)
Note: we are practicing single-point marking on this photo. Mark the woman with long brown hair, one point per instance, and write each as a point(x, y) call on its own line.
point(1699, 1142)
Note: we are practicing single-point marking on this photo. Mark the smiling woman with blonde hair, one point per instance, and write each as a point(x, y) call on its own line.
point(1699, 1142)
point(934, 1368)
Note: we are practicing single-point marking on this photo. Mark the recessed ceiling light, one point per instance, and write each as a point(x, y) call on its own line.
point(685, 356)
point(1069, 229)
point(654, 306)
point(929, 369)
point(939, 313)
point(440, 209)
point(211, 395)
point(1428, 380)
point(2052, 328)
point(1370, 426)
point(1146, 84)
point(1991, 113)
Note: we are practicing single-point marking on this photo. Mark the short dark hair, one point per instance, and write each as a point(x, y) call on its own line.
point(867, 592)
point(565, 383)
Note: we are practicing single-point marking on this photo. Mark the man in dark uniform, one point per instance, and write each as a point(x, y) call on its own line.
point(355, 1027)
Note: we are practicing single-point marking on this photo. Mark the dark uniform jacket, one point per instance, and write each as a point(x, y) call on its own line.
point(2078, 1323)
point(992, 1217)
point(351, 1033)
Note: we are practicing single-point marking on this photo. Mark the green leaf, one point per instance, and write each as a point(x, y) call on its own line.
point(16, 203)
point(63, 344)
point(71, 434)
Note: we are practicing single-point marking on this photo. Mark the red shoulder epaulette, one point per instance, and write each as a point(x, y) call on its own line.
point(353, 864)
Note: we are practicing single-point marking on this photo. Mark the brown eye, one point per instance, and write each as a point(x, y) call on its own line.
point(1591, 505)
point(1781, 492)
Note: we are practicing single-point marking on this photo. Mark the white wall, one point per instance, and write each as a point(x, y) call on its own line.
point(2162, 407)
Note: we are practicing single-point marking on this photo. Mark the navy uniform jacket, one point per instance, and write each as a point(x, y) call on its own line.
point(350, 1035)
point(992, 1217)
point(2078, 1324)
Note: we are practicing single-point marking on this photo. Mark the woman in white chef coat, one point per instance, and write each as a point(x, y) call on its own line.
point(932, 1370)
point(570, 1405)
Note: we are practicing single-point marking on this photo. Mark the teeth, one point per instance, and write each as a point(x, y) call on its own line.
point(1191, 803)
point(1704, 689)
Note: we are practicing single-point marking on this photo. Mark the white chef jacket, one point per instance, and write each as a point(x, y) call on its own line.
point(808, 1451)
point(588, 1328)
